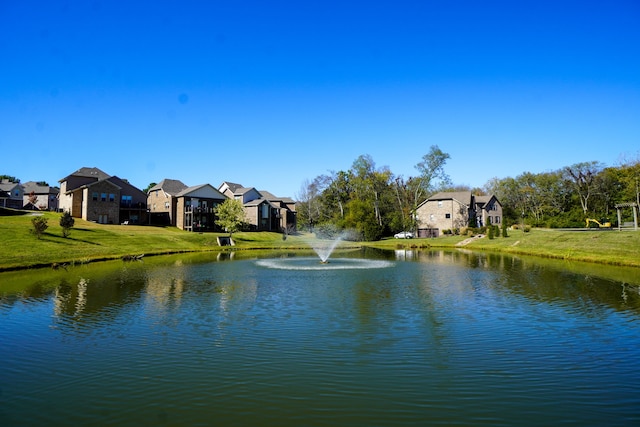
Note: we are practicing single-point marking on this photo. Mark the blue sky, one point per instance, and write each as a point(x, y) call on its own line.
point(270, 93)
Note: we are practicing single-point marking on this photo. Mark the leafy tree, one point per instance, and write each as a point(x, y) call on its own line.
point(430, 169)
point(149, 187)
point(10, 178)
point(33, 198)
point(39, 226)
point(66, 222)
point(231, 215)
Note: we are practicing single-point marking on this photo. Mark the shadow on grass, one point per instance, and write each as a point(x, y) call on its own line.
point(54, 238)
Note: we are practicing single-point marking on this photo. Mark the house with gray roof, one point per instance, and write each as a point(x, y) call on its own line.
point(162, 202)
point(44, 197)
point(456, 210)
point(93, 195)
point(13, 194)
point(196, 208)
point(263, 210)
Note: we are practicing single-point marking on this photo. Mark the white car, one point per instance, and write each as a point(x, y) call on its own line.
point(404, 235)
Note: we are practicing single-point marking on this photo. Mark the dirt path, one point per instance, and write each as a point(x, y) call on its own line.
point(465, 242)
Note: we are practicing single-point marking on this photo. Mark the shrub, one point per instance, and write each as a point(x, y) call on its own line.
point(66, 222)
point(39, 226)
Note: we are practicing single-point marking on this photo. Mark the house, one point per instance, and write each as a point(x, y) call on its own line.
point(286, 207)
point(4, 196)
point(196, 206)
point(488, 210)
point(14, 194)
point(133, 202)
point(263, 210)
point(93, 195)
point(162, 202)
point(455, 210)
point(43, 197)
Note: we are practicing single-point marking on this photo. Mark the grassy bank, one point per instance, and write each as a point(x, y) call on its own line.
point(88, 242)
point(606, 247)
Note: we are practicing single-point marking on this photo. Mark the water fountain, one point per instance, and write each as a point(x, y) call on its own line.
point(323, 248)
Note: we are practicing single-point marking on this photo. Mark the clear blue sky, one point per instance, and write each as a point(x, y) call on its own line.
point(270, 93)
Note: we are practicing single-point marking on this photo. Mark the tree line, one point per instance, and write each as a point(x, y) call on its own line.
point(567, 196)
point(372, 202)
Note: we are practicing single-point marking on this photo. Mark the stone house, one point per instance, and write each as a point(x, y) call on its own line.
point(455, 210)
point(263, 210)
point(46, 197)
point(93, 195)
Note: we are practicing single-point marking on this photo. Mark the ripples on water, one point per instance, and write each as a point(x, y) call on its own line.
point(439, 341)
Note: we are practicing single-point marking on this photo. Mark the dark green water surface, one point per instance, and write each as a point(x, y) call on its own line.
point(370, 339)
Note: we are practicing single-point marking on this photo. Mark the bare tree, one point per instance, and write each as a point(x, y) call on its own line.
point(583, 175)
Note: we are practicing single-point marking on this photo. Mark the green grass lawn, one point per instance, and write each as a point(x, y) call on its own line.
point(19, 247)
point(602, 246)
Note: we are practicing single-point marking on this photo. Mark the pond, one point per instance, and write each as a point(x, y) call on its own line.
point(374, 338)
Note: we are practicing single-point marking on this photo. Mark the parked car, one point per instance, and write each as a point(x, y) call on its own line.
point(403, 235)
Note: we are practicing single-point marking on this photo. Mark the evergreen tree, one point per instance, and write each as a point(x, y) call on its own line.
point(66, 222)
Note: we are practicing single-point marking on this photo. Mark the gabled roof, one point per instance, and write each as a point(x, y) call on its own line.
point(8, 186)
point(269, 196)
point(202, 190)
point(239, 191)
point(258, 202)
point(91, 184)
point(272, 198)
point(483, 200)
point(32, 186)
point(86, 172)
point(461, 196)
point(169, 186)
point(231, 186)
point(125, 184)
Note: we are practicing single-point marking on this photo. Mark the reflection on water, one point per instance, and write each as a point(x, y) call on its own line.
point(432, 338)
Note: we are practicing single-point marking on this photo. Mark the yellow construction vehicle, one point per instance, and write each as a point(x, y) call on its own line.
point(600, 224)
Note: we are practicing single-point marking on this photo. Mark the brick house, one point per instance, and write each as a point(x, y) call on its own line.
point(263, 210)
point(162, 202)
point(455, 210)
point(93, 195)
point(195, 208)
point(488, 210)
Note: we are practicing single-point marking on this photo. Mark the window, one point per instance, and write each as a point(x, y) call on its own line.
point(448, 215)
point(94, 197)
point(166, 205)
point(112, 197)
point(103, 197)
point(439, 203)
